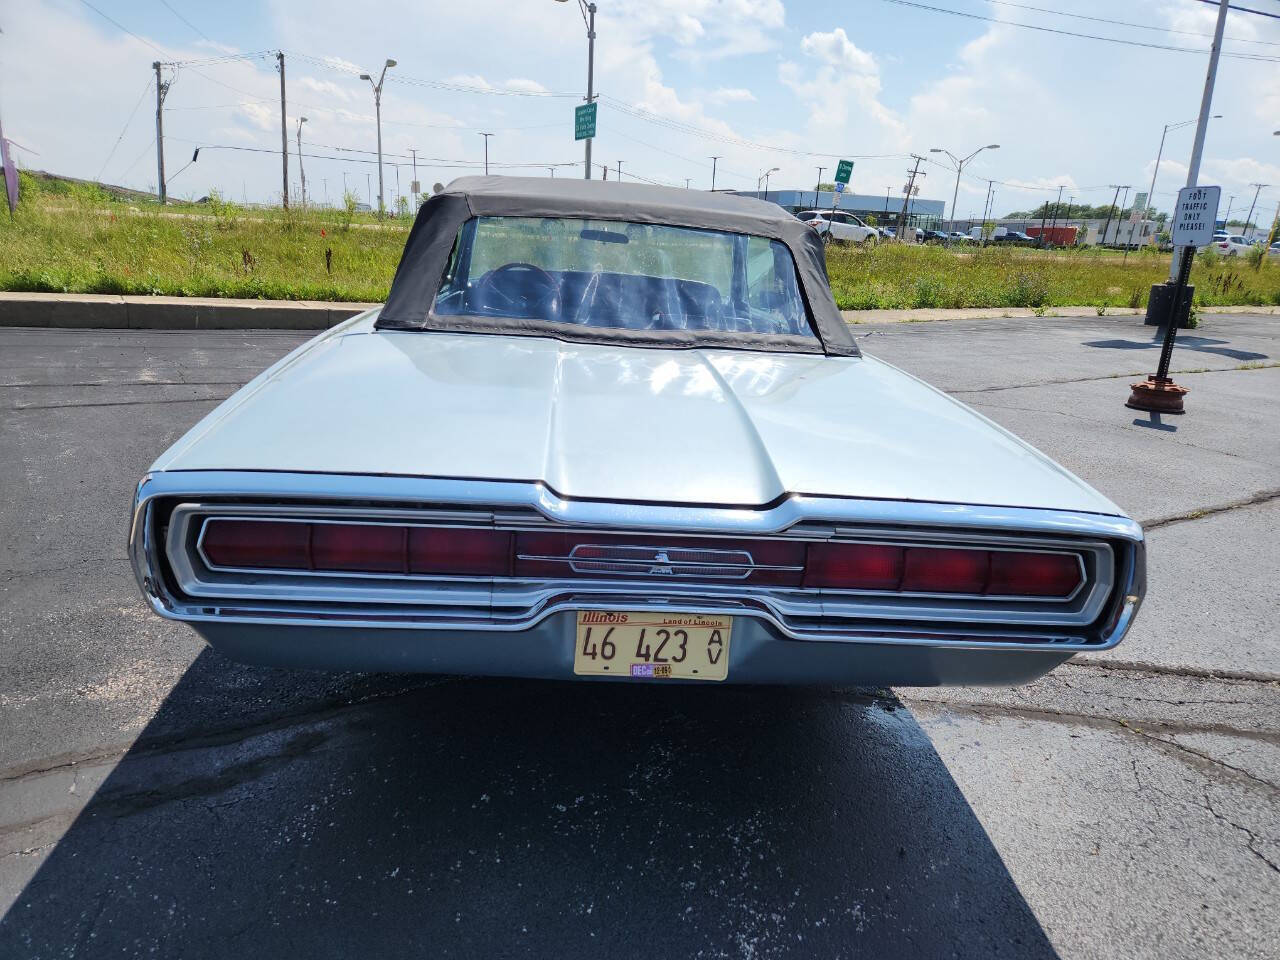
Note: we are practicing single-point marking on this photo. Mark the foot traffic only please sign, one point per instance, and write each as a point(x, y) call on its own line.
point(584, 121)
point(1196, 216)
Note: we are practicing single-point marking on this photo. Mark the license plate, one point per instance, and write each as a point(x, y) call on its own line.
point(652, 646)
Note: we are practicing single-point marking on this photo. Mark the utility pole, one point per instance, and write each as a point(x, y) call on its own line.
point(414, 186)
point(713, 173)
point(368, 188)
point(913, 173)
point(619, 171)
point(604, 171)
point(284, 136)
point(985, 207)
point(1226, 221)
point(162, 89)
point(552, 171)
point(817, 187)
point(486, 152)
point(686, 182)
point(1102, 241)
point(588, 11)
point(302, 173)
point(1119, 219)
point(1057, 207)
point(325, 181)
point(1257, 189)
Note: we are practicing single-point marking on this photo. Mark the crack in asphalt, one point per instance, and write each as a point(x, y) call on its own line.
point(1067, 716)
point(1199, 673)
point(1262, 496)
point(62, 568)
point(994, 388)
point(1253, 837)
point(115, 403)
point(126, 383)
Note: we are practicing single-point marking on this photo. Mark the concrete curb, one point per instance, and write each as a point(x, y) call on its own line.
point(111, 312)
point(992, 313)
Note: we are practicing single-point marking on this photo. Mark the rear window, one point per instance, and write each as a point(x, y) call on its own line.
point(622, 275)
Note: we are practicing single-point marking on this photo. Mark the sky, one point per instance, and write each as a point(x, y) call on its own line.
point(760, 83)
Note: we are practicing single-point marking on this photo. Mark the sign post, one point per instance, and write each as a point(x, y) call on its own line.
point(844, 170)
point(1194, 218)
point(584, 121)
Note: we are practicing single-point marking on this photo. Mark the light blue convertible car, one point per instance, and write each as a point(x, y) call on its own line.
point(621, 432)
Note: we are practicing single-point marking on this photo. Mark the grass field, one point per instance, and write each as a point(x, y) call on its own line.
point(77, 238)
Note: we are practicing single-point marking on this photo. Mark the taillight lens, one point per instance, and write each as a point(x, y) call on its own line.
point(868, 566)
point(357, 547)
point(253, 543)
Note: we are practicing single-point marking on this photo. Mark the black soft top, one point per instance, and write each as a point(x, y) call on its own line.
point(426, 255)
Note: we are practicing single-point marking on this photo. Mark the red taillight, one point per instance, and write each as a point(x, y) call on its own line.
point(854, 566)
point(945, 571)
point(258, 543)
point(869, 566)
point(457, 551)
point(357, 547)
point(1034, 574)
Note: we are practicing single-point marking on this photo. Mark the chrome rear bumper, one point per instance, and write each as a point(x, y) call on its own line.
point(852, 645)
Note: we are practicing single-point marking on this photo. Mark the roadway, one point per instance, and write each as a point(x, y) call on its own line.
point(155, 797)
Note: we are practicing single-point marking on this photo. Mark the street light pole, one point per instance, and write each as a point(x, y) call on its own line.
point(713, 173)
point(486, 152)
point(377, 109)
point(959, 168)
point(817, 187)
point(1151, 193)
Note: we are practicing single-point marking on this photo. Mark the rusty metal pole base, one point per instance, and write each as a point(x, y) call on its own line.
point(1158, 395)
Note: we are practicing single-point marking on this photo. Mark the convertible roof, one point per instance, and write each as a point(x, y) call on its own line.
point(427, 251)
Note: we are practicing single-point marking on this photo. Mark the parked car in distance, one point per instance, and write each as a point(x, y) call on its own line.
point(937, 236)
point(1014, 238)
point(959, 236)
point(1233, 245)
point(835, 225)
point(1274, 249)
point(613, 431)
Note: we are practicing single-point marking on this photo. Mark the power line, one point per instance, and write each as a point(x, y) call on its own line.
point(1260, 13)
point(1127, 23)
point(123, 130)
point(1082, 36)
point(185, 20)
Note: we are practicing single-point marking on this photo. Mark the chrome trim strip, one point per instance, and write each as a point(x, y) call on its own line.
point(496, 495)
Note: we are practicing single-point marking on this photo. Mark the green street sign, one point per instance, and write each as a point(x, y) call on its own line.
point(584, 121)
point(844, 171)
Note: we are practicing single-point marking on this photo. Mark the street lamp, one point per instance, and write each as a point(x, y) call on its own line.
point(959, 168)
point(588, 18)
point(486, 152)
point(377, 106)
point(301, 172)
point(764, 178)
point(1151, 194)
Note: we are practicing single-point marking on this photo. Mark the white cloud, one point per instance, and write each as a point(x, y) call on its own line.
point(324, 88)
point(731, 95)
point(524, 85)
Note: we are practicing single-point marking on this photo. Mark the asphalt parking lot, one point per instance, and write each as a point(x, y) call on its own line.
point(158, 799)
